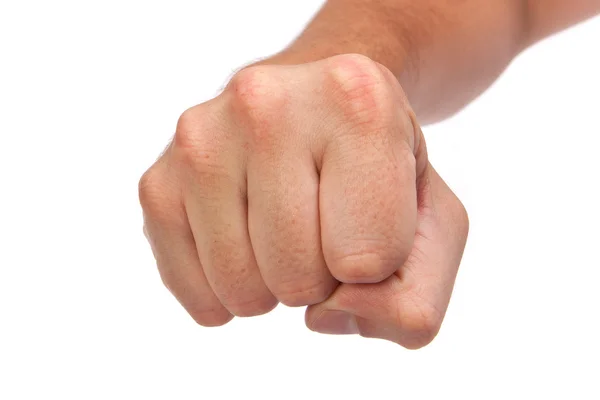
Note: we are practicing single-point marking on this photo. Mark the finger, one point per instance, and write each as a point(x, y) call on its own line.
point(168, 232)
point(368, 198)
point(284, 225)
point(408, 307)
point(215, 202)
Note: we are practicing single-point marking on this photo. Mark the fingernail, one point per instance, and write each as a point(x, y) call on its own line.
point(335, 322)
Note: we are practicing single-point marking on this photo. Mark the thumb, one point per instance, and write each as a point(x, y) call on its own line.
point(409, 306)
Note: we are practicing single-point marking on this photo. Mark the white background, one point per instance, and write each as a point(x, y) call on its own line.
point(89, 96)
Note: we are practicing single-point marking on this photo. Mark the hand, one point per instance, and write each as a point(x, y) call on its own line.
point(306, 185)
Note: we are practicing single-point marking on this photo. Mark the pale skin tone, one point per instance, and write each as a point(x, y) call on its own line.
point(307, 182)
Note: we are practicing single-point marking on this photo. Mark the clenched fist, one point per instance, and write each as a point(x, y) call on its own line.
point(307, 185)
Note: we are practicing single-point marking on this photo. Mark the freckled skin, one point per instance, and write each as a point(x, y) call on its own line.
point(307, 181)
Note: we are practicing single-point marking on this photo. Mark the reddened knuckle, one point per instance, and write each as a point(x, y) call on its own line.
point(259, 101)
point(189, 118)
point(248, 79)
point(354, 65)
point(361, 87)
point(257, 91)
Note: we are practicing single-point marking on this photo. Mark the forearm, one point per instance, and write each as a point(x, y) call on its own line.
point(444, 52)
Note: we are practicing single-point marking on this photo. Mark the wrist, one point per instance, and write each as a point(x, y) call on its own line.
point(354, 27)
point(392, 56)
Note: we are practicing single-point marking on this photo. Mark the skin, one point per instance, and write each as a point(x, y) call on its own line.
point(307, 182)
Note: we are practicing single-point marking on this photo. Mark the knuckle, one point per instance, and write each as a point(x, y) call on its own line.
point(203, 313)
point(197, 147)
point(158, 197)
point(303, 295)
point(257, 92)
point(189, 131)
point(259, 102)
point(150, 187)
point(169, 281)
point(250, 307)
point(419, 321)
point(362, 267)
point(462, 219)
point(361, 88)
point(211, 317)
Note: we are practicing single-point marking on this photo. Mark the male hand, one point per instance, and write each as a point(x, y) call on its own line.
point(307, 185)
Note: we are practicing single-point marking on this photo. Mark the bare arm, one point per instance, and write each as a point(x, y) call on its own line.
point(444, 52)
point(309, 183)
